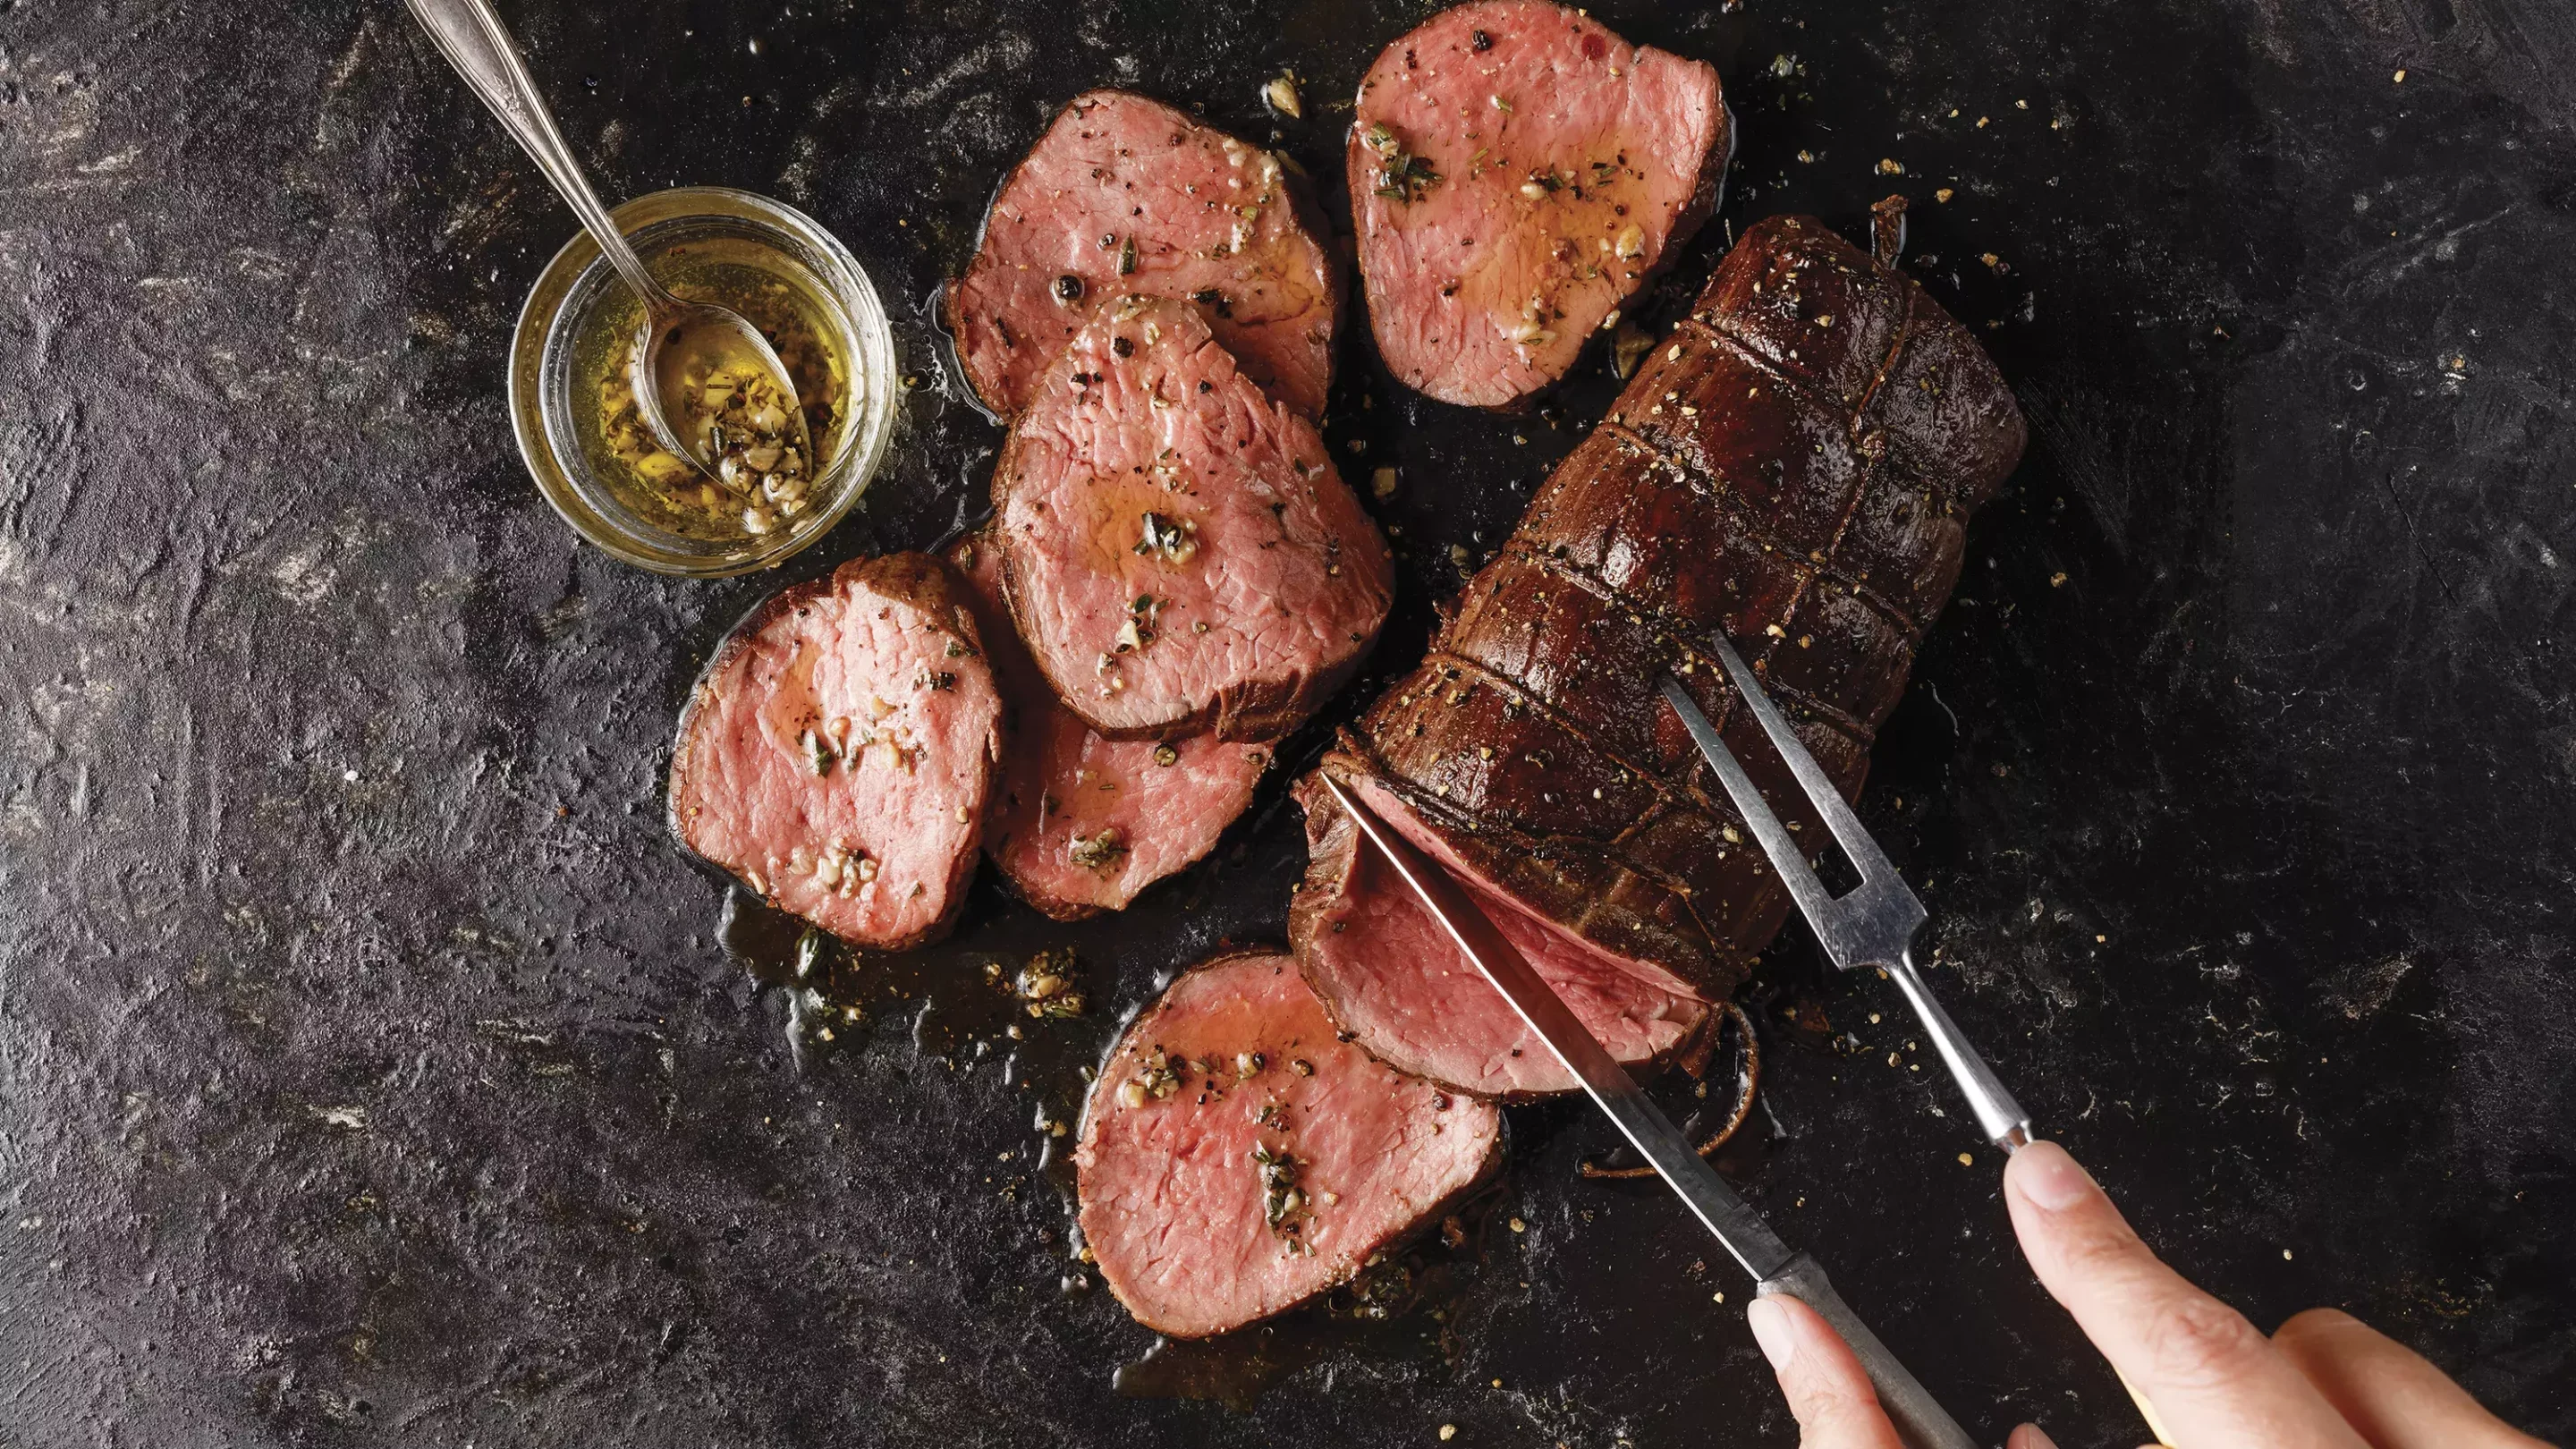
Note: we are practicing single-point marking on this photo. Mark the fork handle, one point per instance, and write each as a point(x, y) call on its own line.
point(1919, 1418)
point(1998, 1116)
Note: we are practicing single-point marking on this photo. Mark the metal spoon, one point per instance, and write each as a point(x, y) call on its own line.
point(674, 332)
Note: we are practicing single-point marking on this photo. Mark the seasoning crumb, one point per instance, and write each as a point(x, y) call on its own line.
point(1448, 1432)
point(1943, 194)
point(1890, 166)
point(2285, 1255)
point(1967, 1160)
point(1281, 93)
point(1047, 985)
point(2057, 580)
point(2399, 78)
point(1382, 483)
point(1518, 1226)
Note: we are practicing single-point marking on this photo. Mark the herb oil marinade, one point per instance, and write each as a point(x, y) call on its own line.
point(763, 286)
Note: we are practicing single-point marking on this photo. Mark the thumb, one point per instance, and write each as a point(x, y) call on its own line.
point(1827, 1388)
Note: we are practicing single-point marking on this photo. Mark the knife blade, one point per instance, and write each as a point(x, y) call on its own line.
point(1775, 1267)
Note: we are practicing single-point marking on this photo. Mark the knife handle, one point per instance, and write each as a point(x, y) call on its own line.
point(1919, 1418)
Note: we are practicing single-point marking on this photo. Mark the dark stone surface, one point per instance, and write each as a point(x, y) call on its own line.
point(369, 1071)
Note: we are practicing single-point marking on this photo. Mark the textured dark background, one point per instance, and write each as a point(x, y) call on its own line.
point(369, 1069)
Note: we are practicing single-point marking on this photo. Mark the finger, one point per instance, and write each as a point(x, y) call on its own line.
point(2386, 1390)
point(2029, 1436)
point(2216, 1381)
point(1827, 1388)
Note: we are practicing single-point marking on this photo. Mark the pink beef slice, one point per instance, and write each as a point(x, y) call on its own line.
point(840, 750)
point(1126, 196)
point(1517, 172)
point(1391, 979)
point(1178, 552)
point(1238, 1062)
point(1079, 824)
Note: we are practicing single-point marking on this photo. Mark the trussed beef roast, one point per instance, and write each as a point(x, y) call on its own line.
point(1177, 550)
point(1517, 171)
point(1794, 465)
point(1386, 973)
point(1080, 824)
point(1126, 196)
point(1236, 1159)
point(838, 753)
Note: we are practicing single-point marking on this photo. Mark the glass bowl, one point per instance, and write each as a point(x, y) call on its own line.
point(564, 328)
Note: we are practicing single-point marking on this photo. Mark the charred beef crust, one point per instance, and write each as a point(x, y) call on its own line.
point(916, 578)
point(1795, 465)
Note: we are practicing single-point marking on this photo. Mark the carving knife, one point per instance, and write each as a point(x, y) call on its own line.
point(1919, 1418)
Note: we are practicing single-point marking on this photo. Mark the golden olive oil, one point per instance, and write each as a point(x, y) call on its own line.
point(763, 286)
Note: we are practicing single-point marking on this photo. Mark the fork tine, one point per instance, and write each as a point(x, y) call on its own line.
point(1866, 857)
point(1814, 901)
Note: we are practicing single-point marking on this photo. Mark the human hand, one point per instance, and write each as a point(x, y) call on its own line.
point(2324, 1381)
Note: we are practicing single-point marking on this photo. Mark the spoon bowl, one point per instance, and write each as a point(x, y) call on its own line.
point(714, 391)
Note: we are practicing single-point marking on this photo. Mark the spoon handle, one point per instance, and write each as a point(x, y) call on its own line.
point(481, 50)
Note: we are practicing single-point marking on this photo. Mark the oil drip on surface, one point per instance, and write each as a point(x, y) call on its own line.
point(969, 1002)
point(990, 1002)
point(1405, 1307)
point(964, 1003)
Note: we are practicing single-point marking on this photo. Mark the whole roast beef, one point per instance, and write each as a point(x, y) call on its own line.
point(1080, 824)
point(1124, 196)
point(1794, 466)
point(839, 751)
point(1177, 550)
point(1236, 1158)
point(1517, 171)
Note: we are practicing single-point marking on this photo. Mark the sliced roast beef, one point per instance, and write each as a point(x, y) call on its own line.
point(1517, 171)
point(1388, 975)
point(1079, 824)
point(1237, 1159)
point(1178, 552)
point(839, 751)
point(1126, 196)
point(1794, 465)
